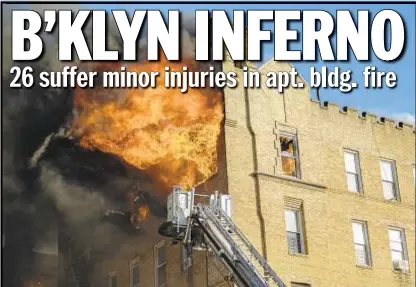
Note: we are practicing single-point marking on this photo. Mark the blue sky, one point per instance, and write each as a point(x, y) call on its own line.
point(397, 103)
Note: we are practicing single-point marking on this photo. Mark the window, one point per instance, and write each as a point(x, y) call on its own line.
point(294, 232)
point(388, 178)
point(226, 204)
point(112, 279)
point(352, 170)
point(160, 264)
point(186, 259)
point(398, 248)
point(134, 273)
point(289, 155)
point(361, 246)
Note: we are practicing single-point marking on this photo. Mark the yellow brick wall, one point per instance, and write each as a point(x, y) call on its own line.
point(253, 120)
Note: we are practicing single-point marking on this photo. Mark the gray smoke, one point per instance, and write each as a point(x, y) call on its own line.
point(48, 181)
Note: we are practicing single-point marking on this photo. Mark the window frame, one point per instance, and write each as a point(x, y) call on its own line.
point(366, 243)
point(295, 155)
point(299, 223)
point(358, 176)
point(395, 181)
point(405, 254)
point(135, 262)
point(186, 261)
point(157, 266)
point(111, 275)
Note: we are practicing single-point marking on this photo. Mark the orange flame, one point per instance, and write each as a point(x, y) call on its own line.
point(142, 212)
point(166, 133)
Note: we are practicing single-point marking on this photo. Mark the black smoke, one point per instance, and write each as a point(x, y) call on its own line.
point(54, 192)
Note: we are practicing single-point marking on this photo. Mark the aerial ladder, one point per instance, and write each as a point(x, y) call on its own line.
point(207, 225)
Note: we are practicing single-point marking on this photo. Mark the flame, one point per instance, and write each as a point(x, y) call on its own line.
point(168, 134)
point(142, 212)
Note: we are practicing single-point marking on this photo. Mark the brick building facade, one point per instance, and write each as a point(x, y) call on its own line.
point(324, 193)
point(308, 190)
point(327, 194)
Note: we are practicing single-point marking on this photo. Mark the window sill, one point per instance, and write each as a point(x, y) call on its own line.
point(302, 255)
point(392, 201)
point(364, 267)
point(290, 179)
point(398, 272)
point(355, 193)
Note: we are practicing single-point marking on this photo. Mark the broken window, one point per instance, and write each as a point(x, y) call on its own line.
point(289, 155)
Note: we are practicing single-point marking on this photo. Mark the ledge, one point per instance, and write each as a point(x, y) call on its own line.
point(290, 180)
point(364, 196)
point(301, 255)
point(401, 273)
point(360, 194)
point(391, 201)
point(364, 267)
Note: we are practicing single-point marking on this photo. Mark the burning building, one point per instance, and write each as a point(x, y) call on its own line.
point(86, 173)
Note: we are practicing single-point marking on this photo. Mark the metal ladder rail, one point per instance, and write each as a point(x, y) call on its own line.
point(242, 258)
point(251, 248)
point(217, 247)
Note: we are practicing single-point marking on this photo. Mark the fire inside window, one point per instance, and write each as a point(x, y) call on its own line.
point(289, 155)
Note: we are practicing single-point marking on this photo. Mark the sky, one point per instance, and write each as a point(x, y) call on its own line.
point(397, 103)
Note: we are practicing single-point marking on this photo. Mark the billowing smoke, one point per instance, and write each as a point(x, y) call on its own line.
point(50, 184)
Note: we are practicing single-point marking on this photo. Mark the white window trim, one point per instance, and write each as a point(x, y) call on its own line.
point(395, 179)
point(404, 243)
point(299, 217)
point(109, 276)
point(357, 168)
point(156, 259)
point(295, 155)
point(133, 263)
point(366, 240)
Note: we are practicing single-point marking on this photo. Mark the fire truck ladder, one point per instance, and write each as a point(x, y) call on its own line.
point(229, 243)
